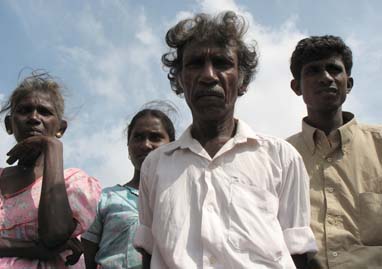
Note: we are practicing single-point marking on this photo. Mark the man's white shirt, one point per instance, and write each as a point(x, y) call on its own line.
point(247, 207)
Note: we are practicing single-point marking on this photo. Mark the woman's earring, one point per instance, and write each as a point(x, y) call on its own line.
point(58, 134)
point(9, 131)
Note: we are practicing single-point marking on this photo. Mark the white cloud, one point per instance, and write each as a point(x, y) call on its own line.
point(106, 148)
point(214, 6)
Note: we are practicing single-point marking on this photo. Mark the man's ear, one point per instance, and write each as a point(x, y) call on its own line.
point(8, 124)
point(350, 84)
point(242, 90)
point(62, 129)
point(295, 85)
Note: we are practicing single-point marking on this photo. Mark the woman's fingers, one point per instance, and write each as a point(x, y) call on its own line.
point(26, 152)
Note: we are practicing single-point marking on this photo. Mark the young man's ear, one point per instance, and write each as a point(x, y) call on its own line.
point(350, 84)
point(295, 85)
point(8, 124)
point(61, 131)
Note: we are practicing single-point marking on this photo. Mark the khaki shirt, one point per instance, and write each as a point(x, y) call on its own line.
point(345, 169)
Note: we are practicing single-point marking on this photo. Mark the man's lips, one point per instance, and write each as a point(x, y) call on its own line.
point(328, 90)
point(209, 93)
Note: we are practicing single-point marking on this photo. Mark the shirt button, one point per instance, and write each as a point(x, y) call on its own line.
point(335, 254)
point(330, 189)
point(210, 208)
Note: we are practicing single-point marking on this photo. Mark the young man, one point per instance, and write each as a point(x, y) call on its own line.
point(343, 158)
point(221, 196)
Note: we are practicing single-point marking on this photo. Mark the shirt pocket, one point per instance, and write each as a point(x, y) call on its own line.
point(253, 223)
point(370, 206)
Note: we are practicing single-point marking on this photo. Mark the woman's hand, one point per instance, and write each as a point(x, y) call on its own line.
point(10, 247)
point(28, 150)
point(72, 244)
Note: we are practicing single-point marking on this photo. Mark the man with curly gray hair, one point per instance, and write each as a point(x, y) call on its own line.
point(221, 196)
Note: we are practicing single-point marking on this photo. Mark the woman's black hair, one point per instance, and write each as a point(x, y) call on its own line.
point(165, 120)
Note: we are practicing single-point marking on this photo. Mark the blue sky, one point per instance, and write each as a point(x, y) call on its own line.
point(107, 54)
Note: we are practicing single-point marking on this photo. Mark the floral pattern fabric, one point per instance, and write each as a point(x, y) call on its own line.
point(19, 216)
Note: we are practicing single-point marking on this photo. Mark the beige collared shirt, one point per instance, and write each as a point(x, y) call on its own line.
point(346, 192)
point(247, 207)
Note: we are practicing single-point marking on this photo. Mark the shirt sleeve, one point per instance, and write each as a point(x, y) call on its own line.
point(143, 237)
point(94, 233)
point(294, 205)
point(83, 193)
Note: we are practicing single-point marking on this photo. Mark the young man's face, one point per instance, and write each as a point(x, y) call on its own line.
point(210, 79)
point(323, 84)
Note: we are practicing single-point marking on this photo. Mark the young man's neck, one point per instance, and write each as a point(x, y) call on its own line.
point(327, 122)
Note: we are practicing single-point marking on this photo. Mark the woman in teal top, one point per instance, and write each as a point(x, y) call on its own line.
point(109, 241)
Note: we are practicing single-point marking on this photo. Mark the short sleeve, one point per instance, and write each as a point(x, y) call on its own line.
point(143, 236)
point(294, 205)
point(83, 193)
point(94, 233)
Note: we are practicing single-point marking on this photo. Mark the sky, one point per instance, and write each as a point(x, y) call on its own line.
point(107, 55)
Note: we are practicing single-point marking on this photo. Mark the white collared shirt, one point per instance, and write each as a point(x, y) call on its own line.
point(247, 207)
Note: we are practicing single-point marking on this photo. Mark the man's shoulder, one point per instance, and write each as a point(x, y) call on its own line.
point(295, 138)
point(372, 129)
point(273, 141)
point(277, 146)
point(159, 154)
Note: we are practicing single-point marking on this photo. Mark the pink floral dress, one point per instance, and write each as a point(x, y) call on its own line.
point(19, 215)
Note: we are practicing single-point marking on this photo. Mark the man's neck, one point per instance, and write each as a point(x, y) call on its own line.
point(327, 122)
point(212, 135)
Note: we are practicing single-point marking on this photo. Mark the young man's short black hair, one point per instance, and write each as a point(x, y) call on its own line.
point(319, 47)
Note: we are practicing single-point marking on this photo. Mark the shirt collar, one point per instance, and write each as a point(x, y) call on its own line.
point(130, 189)
point(244, 133)
point(346, 131)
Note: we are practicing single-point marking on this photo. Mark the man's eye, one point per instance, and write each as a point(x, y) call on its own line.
point(222, 63)
point(194, 63)
point(311, 70)
point(335, 69)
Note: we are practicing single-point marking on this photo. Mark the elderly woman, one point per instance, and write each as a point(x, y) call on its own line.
point(43, 208)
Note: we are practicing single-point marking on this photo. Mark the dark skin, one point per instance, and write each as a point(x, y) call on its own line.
point(39, 154)
point(147, 135)
point(210, 80)
point(324, 85)
point(211, 83)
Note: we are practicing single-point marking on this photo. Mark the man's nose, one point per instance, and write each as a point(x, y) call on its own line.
point(326, 77)
point(208, 74)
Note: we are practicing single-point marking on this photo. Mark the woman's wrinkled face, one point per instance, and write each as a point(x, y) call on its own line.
point(34, 114)
point(147, 134)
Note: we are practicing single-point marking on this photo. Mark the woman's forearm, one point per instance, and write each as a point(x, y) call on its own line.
point(55, 217)
point(22, 249)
